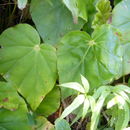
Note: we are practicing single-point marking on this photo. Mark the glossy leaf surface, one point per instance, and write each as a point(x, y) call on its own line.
point(97, 57)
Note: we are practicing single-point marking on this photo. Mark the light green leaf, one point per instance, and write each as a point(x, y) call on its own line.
point(97, 109)
point(73, 85)
point(85, 83)
point(75, 104)
point(61, 124)
point(79, 53)
point(104, 12)
point(112, 102)
point(52, 19)
point(123, 117)
point(92, 102)
point(22, 4)
point(31, 66)
point(85, 107)
point(124, 95)
point(121, 20)
point(78, 8)
point(50, 103)
point(121, 88)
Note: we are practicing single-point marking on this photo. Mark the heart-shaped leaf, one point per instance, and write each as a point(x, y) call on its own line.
point(31, 66)
point(52, 19)
point(97, 57)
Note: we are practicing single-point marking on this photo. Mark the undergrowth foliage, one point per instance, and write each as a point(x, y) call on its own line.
point(65, 65)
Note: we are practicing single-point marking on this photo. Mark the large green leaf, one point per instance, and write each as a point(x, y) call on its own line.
point(15, 118)
point(52, 19)
point(121, 20)
point(50, 103)
point(97, 57)
point(31, 66)
point(78, 8)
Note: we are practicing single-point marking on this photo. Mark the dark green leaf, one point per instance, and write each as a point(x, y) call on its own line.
point(50, 103)
point(52, 19)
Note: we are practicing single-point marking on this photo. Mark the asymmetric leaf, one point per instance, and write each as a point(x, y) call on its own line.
point(52, 19)
point(97, 57)
point(31, 66)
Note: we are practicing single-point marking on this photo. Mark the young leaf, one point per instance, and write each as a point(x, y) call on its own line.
point(112, 102)
point(97, 109)
point(61, 124)
point(121, 88)
point(52, 19)
point(75, 104)
point(22, 4)
point(85, 83)
point(104, 12)
point(31, 66)
point(74, 85)
point(92, 102)
point(123, 117)
point(85, 107)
